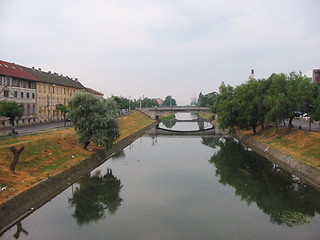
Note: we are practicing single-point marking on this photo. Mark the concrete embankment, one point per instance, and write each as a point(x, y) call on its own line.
point(22, 204)
point(305, 172)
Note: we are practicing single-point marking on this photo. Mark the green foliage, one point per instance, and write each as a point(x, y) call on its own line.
point(94, 119)
point(286, 199)
point(64, 109)
point(169, 101)
point(206, 100)
point(315, 112)
point(12, 110)
point(263, 101)
point(225, 107)
point(123, 103)
point(95, 195)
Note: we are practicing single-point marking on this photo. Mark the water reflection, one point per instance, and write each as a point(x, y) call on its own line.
point(256, 180)
point(95, 195)
point(186, 122)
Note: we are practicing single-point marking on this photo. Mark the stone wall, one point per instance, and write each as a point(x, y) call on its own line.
point(22, 204)
point(305, 172)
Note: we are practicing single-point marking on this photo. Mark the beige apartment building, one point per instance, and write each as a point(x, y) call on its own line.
point(52, 90)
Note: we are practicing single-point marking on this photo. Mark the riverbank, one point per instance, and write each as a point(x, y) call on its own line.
point(47, 154)
point(298, 151)
point(27, 197)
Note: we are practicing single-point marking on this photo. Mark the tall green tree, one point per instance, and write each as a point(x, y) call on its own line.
point(276, 100)
point(94, 119)
point(205, 100)
point(169, 101)
point(315, 112)
point(225, 108)
point(248, 103)
point(12, 110)
point(299, 95)
point(64, 109)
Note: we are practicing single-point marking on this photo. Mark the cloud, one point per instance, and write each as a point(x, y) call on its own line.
point(161, 47)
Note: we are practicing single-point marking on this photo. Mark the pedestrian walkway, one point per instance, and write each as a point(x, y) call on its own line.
point(32, 129)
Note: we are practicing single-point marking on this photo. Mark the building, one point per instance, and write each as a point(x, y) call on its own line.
point(159, 101)
point(90, 90)
point(52, 90)
point(316, 76)
point(40, 92)
point(17, 85)
point(222, 86)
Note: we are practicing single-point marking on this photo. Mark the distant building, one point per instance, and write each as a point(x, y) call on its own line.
point(251, 75)
point(17, 85)
point(90, 90)
point(316, 76)
point(222, 86)
point(53, 89)
point(40, 92)
point(313, 75)
point(159, 101)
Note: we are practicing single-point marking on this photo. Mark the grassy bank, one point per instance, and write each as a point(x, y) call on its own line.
point(48, 153)
point(167, 116)
point(300, 144)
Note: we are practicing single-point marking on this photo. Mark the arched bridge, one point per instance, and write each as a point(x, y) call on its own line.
point(181, 109)
point(156, 111)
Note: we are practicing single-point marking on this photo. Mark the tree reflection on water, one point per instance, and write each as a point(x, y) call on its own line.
point(276, 192)
point(95, 195)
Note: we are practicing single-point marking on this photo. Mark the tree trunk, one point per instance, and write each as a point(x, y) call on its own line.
point(310, 124)
point(16, 158)
point(254, 129)
point(86, 145)
point(290, 123)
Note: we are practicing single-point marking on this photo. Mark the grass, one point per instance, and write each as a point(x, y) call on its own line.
point(49, 153)
point(300, 144)
point(167, 116)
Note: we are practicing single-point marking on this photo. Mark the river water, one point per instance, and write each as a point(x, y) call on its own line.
point(179, 188)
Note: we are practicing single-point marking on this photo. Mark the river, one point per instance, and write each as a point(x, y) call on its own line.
point(179, 188)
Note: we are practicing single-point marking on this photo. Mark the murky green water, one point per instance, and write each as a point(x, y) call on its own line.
point(180, 188)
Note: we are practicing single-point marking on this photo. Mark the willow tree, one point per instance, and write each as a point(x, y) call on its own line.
point(94, 119)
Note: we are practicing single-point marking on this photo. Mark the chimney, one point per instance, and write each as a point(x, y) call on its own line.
point(39, 69)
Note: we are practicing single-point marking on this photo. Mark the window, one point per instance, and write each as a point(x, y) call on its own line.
point(15, 94)
point(21, 94)
point(6, 93)
point(15, 82)
point(25, 84)
point(28, 95)
point(44, 88)
point(33, 109)
point(28, 110)
point(33, 95)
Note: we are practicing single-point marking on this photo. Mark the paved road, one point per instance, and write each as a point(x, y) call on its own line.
point(33, 128)
point(305, 124)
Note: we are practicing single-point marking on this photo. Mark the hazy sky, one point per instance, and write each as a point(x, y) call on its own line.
point(157, 48)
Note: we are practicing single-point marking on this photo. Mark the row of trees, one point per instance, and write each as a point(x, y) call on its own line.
point(145, 102)
point(205, 100)
point(278, 98)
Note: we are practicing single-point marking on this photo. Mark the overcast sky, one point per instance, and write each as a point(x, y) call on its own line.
point(157, 48)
